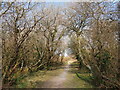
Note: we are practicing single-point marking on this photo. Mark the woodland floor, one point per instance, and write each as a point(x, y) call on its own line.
point(62, 77)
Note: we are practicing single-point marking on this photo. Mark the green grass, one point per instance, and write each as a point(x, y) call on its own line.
point(22, 85)
point(86, 77)
point(82, 74)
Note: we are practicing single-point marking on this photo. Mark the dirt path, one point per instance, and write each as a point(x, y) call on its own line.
point(64, 77)
point(57, 81)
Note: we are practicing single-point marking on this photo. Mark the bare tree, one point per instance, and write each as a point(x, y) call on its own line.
point(19, 27)
point(100, 45)
point(53, 32)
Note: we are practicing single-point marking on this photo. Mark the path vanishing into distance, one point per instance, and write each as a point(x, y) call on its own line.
point(63, 77)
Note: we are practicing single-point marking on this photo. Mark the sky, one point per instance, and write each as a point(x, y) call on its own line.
point(58, 0)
